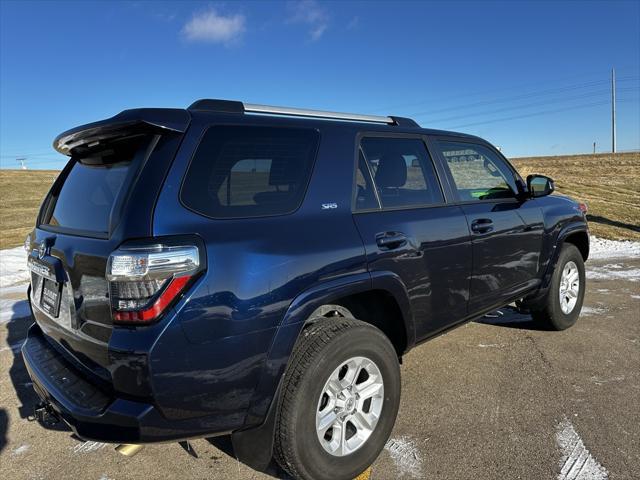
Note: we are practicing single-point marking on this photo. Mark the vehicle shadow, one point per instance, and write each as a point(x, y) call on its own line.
point(511, 317)
point(4, 427)
point(224, 444)
point(613, 223)
point(17, 328)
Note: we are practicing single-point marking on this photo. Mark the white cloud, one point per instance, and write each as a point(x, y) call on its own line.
point(309, 12)
point(209, 26)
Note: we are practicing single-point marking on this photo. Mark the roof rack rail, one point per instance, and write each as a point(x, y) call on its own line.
point(240, 107)
point(301, 112)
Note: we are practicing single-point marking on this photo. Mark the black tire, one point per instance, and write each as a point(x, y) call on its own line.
point(550, 314)
point(322, 348)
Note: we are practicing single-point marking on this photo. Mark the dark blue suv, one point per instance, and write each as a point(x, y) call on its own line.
point(260, 271)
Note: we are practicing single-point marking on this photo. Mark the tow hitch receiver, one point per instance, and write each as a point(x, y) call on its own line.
point(45, 414)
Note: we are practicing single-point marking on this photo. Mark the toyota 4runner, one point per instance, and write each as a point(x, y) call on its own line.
point(260, 271)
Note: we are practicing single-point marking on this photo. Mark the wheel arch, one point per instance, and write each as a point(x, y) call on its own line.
point(576, 234)
point(325, 297)
point(255, 444)
point(579, 238)
point(573, 233)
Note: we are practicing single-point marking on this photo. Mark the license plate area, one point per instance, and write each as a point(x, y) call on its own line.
point(50, 297)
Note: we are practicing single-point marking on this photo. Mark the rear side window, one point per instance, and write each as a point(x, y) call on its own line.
point(247, 171)
point(94, 185)
point(478, 173)
point(402, 171)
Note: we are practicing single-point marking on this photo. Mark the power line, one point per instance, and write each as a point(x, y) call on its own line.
point(547, 112)
point(53, 160)
point(582, 75)
point(7, 155)
point(529, 105)
point(521, 97)
point(42, 161)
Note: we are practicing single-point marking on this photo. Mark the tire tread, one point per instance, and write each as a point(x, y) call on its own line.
point(312, 342)
point(549, 314)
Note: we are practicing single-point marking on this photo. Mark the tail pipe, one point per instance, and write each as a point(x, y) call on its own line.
point(129, 449)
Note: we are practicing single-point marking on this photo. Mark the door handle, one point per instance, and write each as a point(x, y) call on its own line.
point(391, 240)
point(482, 225)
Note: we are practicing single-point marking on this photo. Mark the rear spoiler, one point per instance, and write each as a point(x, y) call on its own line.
point(129, 121)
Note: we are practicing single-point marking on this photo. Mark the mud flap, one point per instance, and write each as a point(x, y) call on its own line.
point(254, 446)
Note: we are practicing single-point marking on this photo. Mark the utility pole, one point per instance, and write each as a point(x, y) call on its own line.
point(613, 110)
point(22, 164)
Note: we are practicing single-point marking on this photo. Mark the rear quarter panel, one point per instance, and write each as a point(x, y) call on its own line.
point(222, 334)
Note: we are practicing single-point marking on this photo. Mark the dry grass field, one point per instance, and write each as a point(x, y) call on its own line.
point(608, 184)
point(21, 192)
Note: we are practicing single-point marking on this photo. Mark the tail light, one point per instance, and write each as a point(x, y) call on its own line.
point(144, 281)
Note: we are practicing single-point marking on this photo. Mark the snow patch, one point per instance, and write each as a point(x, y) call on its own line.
point(576, 463)
point(406, 456)
point(20, 450)
point(613, 271)
point(14, 277)
point(602, 381)
point(13, 267)
point(12, 309)
point(88, 446)
point(601, 248)
point(587, 311)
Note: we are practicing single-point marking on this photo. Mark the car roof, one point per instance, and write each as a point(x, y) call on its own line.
point(177, 120)
point(319, 118)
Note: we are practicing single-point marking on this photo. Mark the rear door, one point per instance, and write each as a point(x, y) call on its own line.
point(506, 231)
point(83, 219)
point(409, 230)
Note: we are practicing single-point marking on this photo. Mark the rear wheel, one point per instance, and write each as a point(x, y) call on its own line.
point(563, 303)
point(339, 400)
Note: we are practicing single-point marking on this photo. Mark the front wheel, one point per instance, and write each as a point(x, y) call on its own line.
point(339, 400)
point(563, 303)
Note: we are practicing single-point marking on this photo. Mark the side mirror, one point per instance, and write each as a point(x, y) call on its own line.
point(539, 185)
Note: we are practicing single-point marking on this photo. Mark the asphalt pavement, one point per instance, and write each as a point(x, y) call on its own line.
point(494, 399)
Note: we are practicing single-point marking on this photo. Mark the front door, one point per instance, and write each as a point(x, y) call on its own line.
point(409, 230)
point(506, 230)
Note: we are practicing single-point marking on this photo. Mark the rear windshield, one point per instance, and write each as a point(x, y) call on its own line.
point(249, 171)
point(95, 183)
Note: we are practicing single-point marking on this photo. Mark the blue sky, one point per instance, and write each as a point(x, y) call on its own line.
point(531, 77)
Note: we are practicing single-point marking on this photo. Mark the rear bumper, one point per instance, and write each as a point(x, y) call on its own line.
point(96, 414)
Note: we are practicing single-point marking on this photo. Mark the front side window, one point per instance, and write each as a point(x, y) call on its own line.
point(477, 172)
point(402, 171)
point(250, 171)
